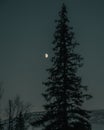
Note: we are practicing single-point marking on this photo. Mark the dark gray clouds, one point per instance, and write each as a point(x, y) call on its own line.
point(26, 33)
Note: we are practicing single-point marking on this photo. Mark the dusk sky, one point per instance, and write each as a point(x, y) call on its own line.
point(26, 34)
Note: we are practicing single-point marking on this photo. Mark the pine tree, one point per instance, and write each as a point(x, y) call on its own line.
point(64, 93)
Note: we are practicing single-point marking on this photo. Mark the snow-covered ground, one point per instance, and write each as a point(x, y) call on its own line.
point(94, 127)
point(97, 119)
point(97, 126)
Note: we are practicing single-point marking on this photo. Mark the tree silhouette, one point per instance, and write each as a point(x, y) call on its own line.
point(64, 93)
point(20, 122)
point(17, 111)
point(1, 94)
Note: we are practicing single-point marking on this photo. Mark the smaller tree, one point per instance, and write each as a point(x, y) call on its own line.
point(20, 122)
point(10, 115)
point(1, 94)
point(15, 109)
point(1, 125)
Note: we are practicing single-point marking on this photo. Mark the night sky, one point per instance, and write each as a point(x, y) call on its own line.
point(26, 33)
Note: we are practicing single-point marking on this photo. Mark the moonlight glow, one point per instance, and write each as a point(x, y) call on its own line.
point(46, 55)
